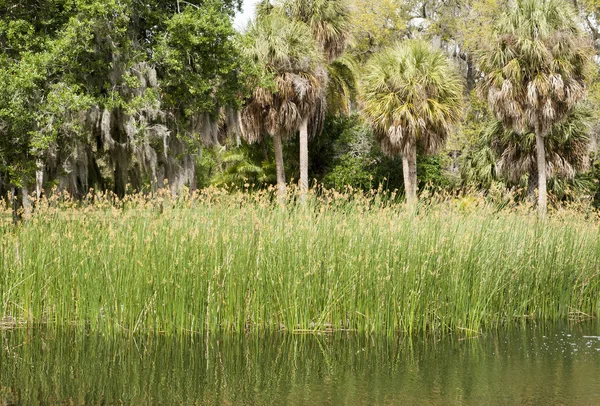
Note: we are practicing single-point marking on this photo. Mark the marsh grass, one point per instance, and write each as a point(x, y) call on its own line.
point(223, 261)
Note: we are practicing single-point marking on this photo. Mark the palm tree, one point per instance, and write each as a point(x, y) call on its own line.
point(411, 94)
point(567, 147)
point(291, 80)
point(536, 67)
point(329, 24)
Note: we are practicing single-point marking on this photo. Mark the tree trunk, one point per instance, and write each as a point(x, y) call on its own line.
point(27, 208)
point(279, 164)
point(409, 169)
point(304, 157)
point(532, 186)
point(39, 179)
point(242, 132)
point(16, 204)
point(120, 174)
point(192, 175)
point(541, 164)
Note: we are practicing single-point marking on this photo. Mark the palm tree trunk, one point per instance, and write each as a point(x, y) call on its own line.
point(239, 133)
point(279, 164)
point(409, 169)
point(541, 166)
point(532, 186)
point(304, 156)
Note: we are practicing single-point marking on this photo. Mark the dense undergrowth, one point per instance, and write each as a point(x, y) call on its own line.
point(222, 261)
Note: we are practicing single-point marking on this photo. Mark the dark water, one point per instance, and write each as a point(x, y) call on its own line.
point(533, 366)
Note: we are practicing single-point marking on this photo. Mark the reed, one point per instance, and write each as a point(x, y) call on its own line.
point(239, 261)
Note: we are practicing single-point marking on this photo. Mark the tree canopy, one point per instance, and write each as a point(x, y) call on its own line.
point(95, 91)
point(121, 95)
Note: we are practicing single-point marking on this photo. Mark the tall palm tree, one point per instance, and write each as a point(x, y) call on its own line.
point(412, 93)
point(536, 68)
point(290, 61)
point(329, 21)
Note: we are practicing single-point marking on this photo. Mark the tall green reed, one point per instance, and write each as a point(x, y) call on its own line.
point(224, 261)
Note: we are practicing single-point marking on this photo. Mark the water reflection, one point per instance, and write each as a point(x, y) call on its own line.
point(533, 365)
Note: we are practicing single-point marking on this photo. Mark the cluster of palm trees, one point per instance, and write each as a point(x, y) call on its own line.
point(293, 42)
point(534, 67)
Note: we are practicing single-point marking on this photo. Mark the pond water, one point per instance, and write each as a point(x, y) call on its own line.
point(546, 365)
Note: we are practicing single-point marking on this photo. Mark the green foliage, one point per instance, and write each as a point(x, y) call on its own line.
point(356, 160)
point(478, 166)
point(593, 177)
point(377, 24)
point(342, 87)
point(108, 93)
point(198, 60)
point(151, 65)
point(433, 175)
point(352, 158)
point(236, 168)
point(281, 45)
point(351, 171)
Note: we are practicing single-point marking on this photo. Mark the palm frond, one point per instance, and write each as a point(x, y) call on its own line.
point(328, 20)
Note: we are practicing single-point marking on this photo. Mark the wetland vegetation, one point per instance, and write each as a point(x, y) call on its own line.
point(224, 261)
